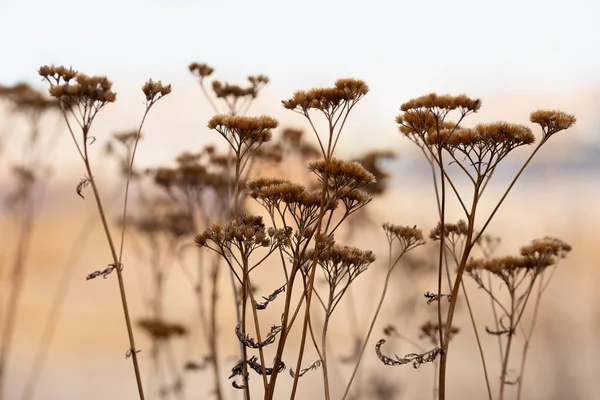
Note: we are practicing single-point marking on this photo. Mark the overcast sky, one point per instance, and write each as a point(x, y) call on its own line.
point(445, 45)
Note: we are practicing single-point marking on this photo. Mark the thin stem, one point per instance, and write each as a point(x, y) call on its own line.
point(528, 338)
point(132, 348)
point(479, 346)
point(508, 346)
point(372, 325)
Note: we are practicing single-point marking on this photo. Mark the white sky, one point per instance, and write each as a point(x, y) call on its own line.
point(441, 45)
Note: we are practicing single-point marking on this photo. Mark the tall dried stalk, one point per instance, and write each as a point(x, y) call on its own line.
point(82, 97)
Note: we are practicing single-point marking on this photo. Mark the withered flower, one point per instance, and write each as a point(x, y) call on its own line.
point(345, 93)
point(246, 131)
point(342, 174)
point(408, 237)
point(154, 91)
point(552, 121)
point(450, 230)
point(200, 70)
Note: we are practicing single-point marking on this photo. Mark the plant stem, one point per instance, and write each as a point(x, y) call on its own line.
point(132, 348)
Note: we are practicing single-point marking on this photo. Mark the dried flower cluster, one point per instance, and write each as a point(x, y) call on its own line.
point(344, 93)
point(73, 88)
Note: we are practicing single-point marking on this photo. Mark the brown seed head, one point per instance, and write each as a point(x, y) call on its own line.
point(552, 121)
point(345, 91)
point(341, 173)
point(200, 70)
point(155, 90)
point(406, 235)
point(247, 130)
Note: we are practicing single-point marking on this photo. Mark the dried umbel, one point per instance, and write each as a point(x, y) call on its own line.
point(345, 93)
point(543, 252)
point(552, 121)
point(408, 237)
point(427, 115)
point(484, 141)
point(246, 234)
point(154, 91)
point(450, 230)
point(341, 265)
point(243, 131)
point(73, 88)
point(442, 103)
point(344, 261)
point(200, 70)
point(341, 174)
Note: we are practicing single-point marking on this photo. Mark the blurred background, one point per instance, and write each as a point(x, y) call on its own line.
point(516, 56)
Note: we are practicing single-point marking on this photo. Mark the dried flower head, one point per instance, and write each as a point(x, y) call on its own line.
point(450, 230)
point(72, 88)
point(341, 174)
point(543, 252)
point(246, 233)
point(154, 91)
point(240, 131)
point(408, 237)
point(200, 70)
point(552, 121)
point(436, 104)
point(346, 92)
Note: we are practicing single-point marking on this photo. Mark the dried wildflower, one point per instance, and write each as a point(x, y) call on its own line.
point(272, 191)
point(200, 70)
point(159, 329)
point(543, 252)
point(435, 103)
point(450, 230)
point(552, 121)
point(246, 234)
point(490, 142)
point(341, 174)
point(354, 199)
point(345, 93)
point(409, 237)
point(154, 91)
point(246, 131)
point(74, 88)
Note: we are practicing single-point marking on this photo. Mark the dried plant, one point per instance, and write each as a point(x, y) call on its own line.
point(81, 98)
point(297, 233)
point(519, 275)
point(476, 151)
